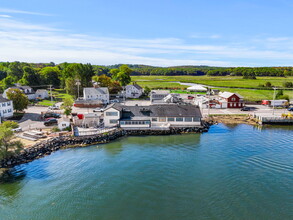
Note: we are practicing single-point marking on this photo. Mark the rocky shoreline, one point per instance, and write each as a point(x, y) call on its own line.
point(47, 147)
point(232, 119)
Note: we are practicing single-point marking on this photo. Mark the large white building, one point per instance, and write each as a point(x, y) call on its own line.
point(153, 116)
point(6, 107)
point(96, 94)
point(133, 91)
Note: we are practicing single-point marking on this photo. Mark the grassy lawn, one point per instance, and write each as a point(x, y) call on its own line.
point(169, 82)
point(59, 94)
point(186, 92)
point(160, 85)
point(46, 102)
point(229, 81)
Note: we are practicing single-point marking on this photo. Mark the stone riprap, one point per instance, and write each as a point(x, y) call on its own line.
point(47, 147)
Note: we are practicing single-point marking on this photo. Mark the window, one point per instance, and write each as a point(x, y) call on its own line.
point(233, 99)
point(179, 119)
point(195, 119)
point(111, 113)
point(148, 122)
point(154, 119)
point(3, 104)
point(188, 119)
point(171, 119)
point(162, 119)
point(122, 122)
point(4, 111)
point(113, 121)
point(9, 110)
point(8, 104)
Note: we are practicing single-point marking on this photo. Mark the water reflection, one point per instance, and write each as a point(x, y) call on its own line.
point(10, 184)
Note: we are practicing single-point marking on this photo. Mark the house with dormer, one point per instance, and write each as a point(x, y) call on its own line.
point(133, 91)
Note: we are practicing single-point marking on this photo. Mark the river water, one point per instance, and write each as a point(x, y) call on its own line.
point(231, 172)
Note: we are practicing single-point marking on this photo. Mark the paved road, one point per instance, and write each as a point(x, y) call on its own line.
point(258, 110)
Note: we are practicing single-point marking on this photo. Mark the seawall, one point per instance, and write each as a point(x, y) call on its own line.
point(47, 147)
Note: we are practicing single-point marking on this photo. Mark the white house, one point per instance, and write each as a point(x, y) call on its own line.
point(28, 91)
point(98, 94)
point(112, 114)
point(158, 95)
point(133, 91)
point(6, 107)
point(42, 94)
point(153, 116)
point(63, 123)
point(87, 120)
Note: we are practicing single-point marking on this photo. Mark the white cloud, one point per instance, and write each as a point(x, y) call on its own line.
point(5, 16)
point(14, 11)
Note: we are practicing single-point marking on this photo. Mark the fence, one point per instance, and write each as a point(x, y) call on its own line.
point(91, 131)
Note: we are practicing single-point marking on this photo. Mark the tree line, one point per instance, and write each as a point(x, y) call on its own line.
point(65, 75)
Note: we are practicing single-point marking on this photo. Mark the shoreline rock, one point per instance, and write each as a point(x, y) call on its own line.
point(47, 147)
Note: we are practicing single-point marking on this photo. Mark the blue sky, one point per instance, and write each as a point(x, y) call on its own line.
point(160, 33)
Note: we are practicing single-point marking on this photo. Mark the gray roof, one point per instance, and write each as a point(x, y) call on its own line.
point(132, 112)
point(41, 90)
point(96, 91)
point(137, 86)
point(160, 92)
point(2, 99)
point(22, 88)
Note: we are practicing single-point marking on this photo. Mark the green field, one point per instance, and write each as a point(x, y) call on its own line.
point(257, 94)
point(229, 81)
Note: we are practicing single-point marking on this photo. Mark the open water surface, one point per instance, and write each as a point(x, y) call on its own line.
point(236, 172)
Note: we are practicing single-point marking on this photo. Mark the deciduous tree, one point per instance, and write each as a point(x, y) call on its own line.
point(19, 99)
point(7, 145)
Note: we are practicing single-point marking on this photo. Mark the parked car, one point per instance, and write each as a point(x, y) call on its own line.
point(114, 101)
point(98, 110)
point(51, 121)
point(290, 109)
point(245, 108)
point(19, 129)
point(53, 108)
point(52, 115)
point(190, 97)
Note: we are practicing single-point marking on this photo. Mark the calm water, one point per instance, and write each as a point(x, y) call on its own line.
point(235, 172)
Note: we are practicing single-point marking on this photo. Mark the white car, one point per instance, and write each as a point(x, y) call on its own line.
point(53, 108)
point(19, 129)
point(98, 110)
point(114, 101)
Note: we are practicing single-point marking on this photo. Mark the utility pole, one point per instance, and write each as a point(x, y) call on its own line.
point(51, 94)
point(78, 84)
point(274, 101)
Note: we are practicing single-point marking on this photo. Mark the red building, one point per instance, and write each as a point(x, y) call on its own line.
point(231, 100)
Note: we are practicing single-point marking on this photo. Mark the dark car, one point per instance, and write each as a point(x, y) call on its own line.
point(290, 109)
point(51, 121)
point(245, 108)
point(52, 115)
point(190, 97)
